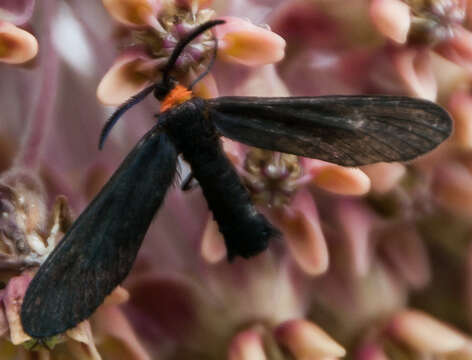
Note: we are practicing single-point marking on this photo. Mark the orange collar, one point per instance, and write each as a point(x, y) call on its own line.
point(177, 96)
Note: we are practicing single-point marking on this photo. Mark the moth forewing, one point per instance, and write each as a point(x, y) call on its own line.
point(345, 130)
point(99, 249)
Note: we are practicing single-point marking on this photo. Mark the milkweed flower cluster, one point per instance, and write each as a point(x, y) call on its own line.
point(374, 263)
point(158, 26)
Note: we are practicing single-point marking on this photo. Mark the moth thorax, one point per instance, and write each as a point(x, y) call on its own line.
point(271, 177)
point(178, 95)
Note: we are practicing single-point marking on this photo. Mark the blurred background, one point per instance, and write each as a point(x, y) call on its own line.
point(375, 262)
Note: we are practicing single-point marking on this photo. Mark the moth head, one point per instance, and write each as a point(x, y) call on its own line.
point(162, 88)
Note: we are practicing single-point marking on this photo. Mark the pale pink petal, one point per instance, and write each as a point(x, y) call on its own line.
point(118, 296)
point(404, 250)
point(134, 12)
point(302, 232)
point(384, 176)
point(234, 151)
point(118, 337)
point(320, 61)
point(263, 81)
point(337, 179)
point(458, 48)
point(12, 301)
point(425, 334)
point(356, 223)
point(415, 70)
point(245, 43)
point(4, 327)
point(247, 345)
point(370, 351)
point(392, 18)
point(468, 272)
point(306, 340)
point(83, 347)
point(193, 4)
point(452, 188)
point(460, 106)
point(16, 45)
point(16, 11)
point(206, 88)
point(130, 74)
point(213, 247)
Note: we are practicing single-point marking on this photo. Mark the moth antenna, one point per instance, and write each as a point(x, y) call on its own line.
point(165, 78)
point(210, 65)
point(183, 43)
point(121, 110)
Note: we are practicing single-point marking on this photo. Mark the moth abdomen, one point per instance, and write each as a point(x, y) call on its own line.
point(245, 230)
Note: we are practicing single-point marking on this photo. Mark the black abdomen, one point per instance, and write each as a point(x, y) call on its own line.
point(245, 230)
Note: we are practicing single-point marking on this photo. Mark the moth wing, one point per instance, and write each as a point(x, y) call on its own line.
point(346, 130)
point(99, 249)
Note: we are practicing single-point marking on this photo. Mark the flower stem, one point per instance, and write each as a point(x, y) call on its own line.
point(42, 112)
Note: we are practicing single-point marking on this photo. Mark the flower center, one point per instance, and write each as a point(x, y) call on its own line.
point(433, 20)
point(177, 25)
point(271, 177)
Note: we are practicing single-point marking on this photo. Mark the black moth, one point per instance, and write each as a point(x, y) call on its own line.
point(98, 251)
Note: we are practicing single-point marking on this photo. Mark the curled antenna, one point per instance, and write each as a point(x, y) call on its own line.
point(121, 110)
point(183, 43)
point(165, 78)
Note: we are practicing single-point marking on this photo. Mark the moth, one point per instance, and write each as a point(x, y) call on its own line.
point(99, 249)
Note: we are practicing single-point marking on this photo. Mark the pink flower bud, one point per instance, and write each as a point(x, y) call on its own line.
point(4, 327)
point(234, 151)
point(452, 188)
point(130, 73)
point(458, 48)
point(371, 351)
point(134, 12)
point(384, 176)
point(392, 18)
point(193, 4)
point(403, 247)
point(247, 345)
point(16, 45)
point(263, 81)
point(415, 70)
point(113, 328)
point(213, 248)
point(245, 43)
point(12, 301)
point(301, 227)
point(460, 105)
point(338, 179)
point(425, 334)
point(16, 11)
point(84, 347)
point(118, 296)
point(356, 224)
point(306, 340)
